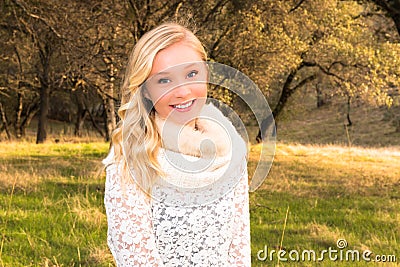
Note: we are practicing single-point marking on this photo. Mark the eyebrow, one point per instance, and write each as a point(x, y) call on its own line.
point(161, 73)
point(190, 65)
point(168, 73)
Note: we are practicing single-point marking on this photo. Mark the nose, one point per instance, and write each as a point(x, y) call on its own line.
point(182, 91)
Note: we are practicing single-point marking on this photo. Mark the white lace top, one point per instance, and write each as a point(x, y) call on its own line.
point(212, 229)
point(149, 233)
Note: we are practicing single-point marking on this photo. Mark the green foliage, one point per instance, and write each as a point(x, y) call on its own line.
point(352, 46)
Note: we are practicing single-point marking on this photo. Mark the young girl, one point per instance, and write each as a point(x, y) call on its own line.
point(176, 177)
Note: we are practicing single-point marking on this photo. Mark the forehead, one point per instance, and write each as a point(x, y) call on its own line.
point(174, 55)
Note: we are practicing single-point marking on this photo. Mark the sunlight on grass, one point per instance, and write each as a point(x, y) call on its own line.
point(358, 169)
point(84, 210)
point(57, 216)
point(333, 192)
point(100, 255)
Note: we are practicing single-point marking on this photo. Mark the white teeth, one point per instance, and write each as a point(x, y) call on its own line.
point(184, 106)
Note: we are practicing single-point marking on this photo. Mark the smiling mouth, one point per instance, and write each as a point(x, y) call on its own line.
point(183, 106)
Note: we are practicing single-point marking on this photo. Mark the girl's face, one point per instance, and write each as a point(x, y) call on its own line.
point(178, 83)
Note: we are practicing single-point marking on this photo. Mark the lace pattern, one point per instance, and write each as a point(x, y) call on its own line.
point(142, 232)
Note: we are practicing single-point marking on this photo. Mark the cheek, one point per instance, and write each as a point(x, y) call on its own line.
point(200, 90)
point(162, 108)
point(161, 102)
point(159, 98)
point(154, 96)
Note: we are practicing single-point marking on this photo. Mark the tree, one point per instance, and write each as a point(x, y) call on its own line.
point(68, 44)
point(77, 50)
point(339, 47)
point(33, 43)
point(101, 35)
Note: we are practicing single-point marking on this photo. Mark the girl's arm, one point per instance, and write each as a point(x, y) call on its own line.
point(130, 234)
point(239, 251)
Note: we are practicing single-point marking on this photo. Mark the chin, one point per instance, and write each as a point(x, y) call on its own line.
point(186, 117)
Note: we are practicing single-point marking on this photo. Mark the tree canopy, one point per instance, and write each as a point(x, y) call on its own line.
point(65, 60)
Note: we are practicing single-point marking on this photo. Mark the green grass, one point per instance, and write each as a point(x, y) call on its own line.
point(51, 201)
point(332, 193)
point(52, 213)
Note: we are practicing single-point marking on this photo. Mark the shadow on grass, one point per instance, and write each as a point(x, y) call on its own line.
point(27, 174)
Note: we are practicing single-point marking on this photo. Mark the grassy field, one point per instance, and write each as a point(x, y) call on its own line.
point(316, 195)
point(52, 214)
point(51, 201)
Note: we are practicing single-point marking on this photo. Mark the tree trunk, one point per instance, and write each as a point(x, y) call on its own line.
point(4, 121)
point(320, 97)
point(20, 98)
point(108, 102)
point(285, 95)
point(81, 113)
point(80, 120)
point(349, 122)
point(265, 125)
point(287, 92)
point(17, 125)
point(31, 111)
point(43, 113)
point(109, 117)
point(44, 78)
point(27, 121)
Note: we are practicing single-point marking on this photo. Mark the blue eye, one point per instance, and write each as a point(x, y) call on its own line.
point(192, 73)
point(164, 80)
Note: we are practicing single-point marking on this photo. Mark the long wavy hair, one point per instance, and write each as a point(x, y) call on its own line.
point(136, 140)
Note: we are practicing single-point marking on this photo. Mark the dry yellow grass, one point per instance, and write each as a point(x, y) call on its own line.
point(100, 255)
point(355, 168)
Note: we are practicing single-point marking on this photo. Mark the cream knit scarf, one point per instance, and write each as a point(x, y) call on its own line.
point(198, 157)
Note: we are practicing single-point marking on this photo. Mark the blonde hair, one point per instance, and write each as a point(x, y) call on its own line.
point(136, 139)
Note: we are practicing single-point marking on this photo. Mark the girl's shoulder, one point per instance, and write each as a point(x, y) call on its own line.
point(109, 160)
point(110, 163)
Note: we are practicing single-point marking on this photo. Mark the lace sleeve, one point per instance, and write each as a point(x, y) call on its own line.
point(239, 251)
point(130, 236)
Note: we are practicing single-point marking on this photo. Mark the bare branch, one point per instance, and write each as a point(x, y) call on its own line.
point(2, 93)
point(99, 89)
point(214, 10)
point(28, 85)
point(132, 4)
point(324, 70)
point(22, 6)
point(303, 82)
point(296, 6)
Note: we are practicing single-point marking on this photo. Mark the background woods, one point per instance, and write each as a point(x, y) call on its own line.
point(329, 69)
point(64, 61)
